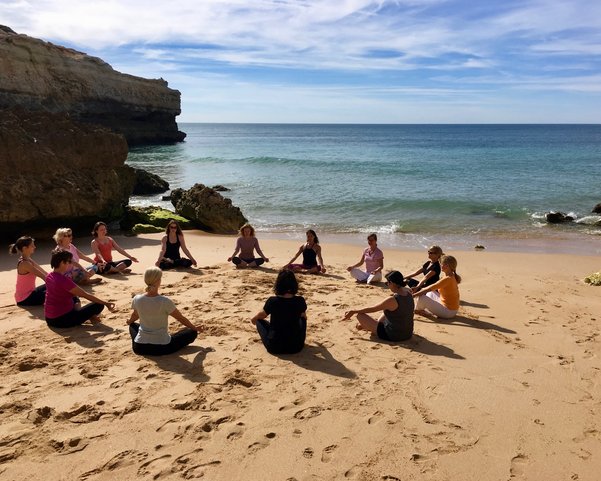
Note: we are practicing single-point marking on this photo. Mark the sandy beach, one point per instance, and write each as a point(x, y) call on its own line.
point(509, 389)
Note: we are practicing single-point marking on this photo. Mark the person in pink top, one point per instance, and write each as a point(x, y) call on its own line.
point(80, 275)
point(246, 244)
point(26, 292)
point(103, 245)
point(374, 263)
point(62, 308)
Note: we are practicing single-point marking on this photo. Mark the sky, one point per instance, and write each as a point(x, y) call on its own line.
point(344, 61)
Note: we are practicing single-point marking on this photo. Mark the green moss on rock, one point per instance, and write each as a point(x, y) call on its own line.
point(146, 229)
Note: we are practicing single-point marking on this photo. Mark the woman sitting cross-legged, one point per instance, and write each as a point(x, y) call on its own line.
point(151, 336)
point(286, 331)
point(79, 274)
point(246, 245)
point(26, 292)
point(396, 322)
point(442, 297)
point(170, 258)
point(62, 307)
point(103, 246)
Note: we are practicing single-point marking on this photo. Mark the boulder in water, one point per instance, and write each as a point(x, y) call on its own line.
point(148, 183)
point(558, 217)
point(208, 209)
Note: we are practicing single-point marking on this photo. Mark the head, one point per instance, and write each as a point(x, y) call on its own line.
point(152, 277)
point(247, 230)
point(22, 243)
point(396, 278)
point(286, 283)
point(311, 235)
point(435, 252)
point(59, 257)
point(63, 234)
point(449, 263)
point(99, 226)
point(173, 226)
point(372, 239)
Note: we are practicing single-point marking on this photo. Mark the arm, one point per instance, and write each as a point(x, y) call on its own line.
point(133, 318)
point(83, 256)
point(79, 292)
point(32, 266)
point(323, 268)
point(416, 273)
point(260, 315)
point(297, 254)
point(260, 252)
point(182, 242)
point(380, 266)
point(163, 249)
point(184, 320)
point(431, 287)
point(423, 281)
point(236, 250)
point(389, 303)
point(96, 251)
point(350, 268)
point(118, 248)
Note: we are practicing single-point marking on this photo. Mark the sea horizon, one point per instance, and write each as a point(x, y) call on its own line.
point(413, 184)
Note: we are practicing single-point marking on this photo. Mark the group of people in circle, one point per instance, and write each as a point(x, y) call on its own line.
point(283, 333)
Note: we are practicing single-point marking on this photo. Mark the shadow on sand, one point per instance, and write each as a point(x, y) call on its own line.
point(318, 358)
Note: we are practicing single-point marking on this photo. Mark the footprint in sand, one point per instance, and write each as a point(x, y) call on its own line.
point(308, 413)
point(374, 418)
point(308, 453)
point(327, 453)
point(518, 463)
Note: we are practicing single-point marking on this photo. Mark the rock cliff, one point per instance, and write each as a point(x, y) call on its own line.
point(55, 172)
point(38, 75)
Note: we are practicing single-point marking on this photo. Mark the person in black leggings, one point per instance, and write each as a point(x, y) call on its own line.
point(151, 336)
point(62, 307)
point(286, 332)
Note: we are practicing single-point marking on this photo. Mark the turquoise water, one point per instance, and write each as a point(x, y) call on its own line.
point(412, 183)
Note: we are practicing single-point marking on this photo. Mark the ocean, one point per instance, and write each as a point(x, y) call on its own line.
point(414, 185)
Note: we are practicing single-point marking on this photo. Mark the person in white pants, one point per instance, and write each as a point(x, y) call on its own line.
point(373, 258)
point(442, 297)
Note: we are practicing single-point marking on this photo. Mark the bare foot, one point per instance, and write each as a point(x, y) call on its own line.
point(126, 271)
point(94, 319)
point(422, 312)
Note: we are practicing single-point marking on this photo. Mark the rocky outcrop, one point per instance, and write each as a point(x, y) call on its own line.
point(38, 75)
point(148, 183)
point(597, 209)
point(208, 209)
point(155, 216)
point(54, 172)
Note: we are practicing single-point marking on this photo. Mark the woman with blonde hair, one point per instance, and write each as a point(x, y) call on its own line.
point(26, 292)
point(430, 270)
point(64, 242)
point(151, 336)
point(442, 297)
point(171, 242)
point(246, 244)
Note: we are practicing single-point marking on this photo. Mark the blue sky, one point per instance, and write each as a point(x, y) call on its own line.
point(347, 61)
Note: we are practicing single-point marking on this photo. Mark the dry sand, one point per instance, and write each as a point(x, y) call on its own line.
point(510, 389)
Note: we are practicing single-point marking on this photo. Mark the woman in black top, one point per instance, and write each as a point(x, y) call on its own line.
point(170, 257)
point(430, 270)
point(285, 332)
point(396, 322)
point(311, 251)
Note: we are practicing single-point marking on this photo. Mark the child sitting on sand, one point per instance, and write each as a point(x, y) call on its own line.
point(286, 331)
point(246, 244)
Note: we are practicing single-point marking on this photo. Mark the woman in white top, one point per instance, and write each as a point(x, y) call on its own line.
point(151, 336)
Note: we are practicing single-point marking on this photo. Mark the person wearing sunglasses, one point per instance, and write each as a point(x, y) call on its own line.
point(172, 241)
point(80, 275)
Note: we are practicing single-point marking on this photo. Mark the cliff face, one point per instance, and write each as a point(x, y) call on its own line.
point(55, 172)
point(38, 75)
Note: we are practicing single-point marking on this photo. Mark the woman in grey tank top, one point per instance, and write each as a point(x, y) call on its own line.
point(396, 321)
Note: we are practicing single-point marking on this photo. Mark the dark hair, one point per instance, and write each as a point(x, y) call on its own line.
point(96, 226)
point(286, 283)
point(314, 235)
point(178, 231)
point(23, 241)
point(59, 256)
point(396, 278)
point(372, 236)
